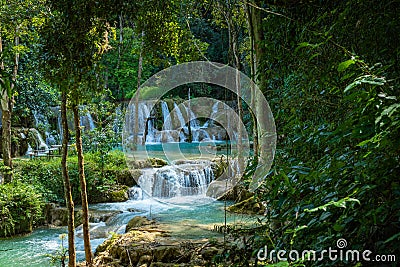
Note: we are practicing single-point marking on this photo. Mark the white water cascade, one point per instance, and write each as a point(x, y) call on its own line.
point(87, 121)
point(174, 127)
point(166, 116)
point(189, 178)
point(40, 144)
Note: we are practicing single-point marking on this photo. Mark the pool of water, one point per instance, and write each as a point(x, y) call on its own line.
point(190, 222)
point(178, 151)
point(30, 250)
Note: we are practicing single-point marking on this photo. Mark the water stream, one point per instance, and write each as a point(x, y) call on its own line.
point(189, 222)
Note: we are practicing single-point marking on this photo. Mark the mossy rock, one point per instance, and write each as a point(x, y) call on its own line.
point(219, 167)
point(138, 221)
point(124, 177)
point(248, 206)
point(19, 141)
point(58, 216)
point(156, 163)
point(119, 195)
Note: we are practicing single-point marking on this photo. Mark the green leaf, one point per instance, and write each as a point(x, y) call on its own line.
point(301, 45)
point(396, 236)
point(388, 112)
point(345, 64)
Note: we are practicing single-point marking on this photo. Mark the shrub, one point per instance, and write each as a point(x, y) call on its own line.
point(20, 208)
point(46, 175)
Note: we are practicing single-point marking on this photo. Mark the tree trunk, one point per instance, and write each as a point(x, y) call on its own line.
point(6, 140)
point(235, 62)
point(239, 100)
point(253, 75)
point(139, 78)
point(67, 184)
point(85, 208)
point(121, 29)
point(258, 34)
point(7, 104)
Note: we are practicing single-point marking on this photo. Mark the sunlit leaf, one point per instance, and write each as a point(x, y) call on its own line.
point(344, 65)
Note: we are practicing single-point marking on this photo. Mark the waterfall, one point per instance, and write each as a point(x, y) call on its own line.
point(200, 135)
point(213, 115)
point(194, 123)
point(187, 179)
point(39, 142)
point(91, 122)
point(167, 118)
point(175, 122)
point(87, 121)
point(135, 193)
point(178, 113)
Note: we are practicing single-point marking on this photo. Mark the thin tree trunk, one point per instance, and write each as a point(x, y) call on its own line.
point(6, 141)
point(139, 78)
point(7, 104)
point(258, 34)
point(253, 75)
point(239, 101)
point(82, 179)
point(235, 62)
point(67, 184)
point(121, 28)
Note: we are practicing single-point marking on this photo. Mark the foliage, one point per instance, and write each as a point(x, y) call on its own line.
point(336, 167)
point(121, 63)
point(20, 208)
point(46, 177)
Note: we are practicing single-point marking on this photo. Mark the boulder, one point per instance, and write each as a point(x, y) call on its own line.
point(19, 141)
point(58, 216)
point(138, 221)
point(96, 216)
point(119, 193)
point(124, 177)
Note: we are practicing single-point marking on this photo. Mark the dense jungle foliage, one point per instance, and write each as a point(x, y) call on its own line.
point(329, 70)
point(333, 85)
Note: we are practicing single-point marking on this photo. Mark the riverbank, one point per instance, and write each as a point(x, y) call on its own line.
point(147, 243)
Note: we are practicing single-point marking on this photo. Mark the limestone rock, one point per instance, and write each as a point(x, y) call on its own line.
point(138, 221)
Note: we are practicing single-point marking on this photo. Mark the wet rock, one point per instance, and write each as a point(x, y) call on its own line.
point(138, 221)
point(146, 246)
point(58, 216)
point(96, 216)
point(135, 210)
point(148, 163)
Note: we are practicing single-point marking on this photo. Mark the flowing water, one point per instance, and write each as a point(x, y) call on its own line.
point(178, 191)
point(189, 222)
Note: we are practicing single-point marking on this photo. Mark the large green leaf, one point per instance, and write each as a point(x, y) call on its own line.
point(345, 64)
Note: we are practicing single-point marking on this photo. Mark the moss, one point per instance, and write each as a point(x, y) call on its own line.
point(119, 194)
point(155, 162)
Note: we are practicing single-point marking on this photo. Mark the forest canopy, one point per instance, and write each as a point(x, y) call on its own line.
point(329, 70)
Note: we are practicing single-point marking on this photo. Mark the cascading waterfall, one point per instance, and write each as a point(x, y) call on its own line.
point(135, 193)
point(213, 115)
point(187, 179)
point(87, 121)
point(174, 123)
point(40, 143)
point(178, 113)
point(166, 116)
